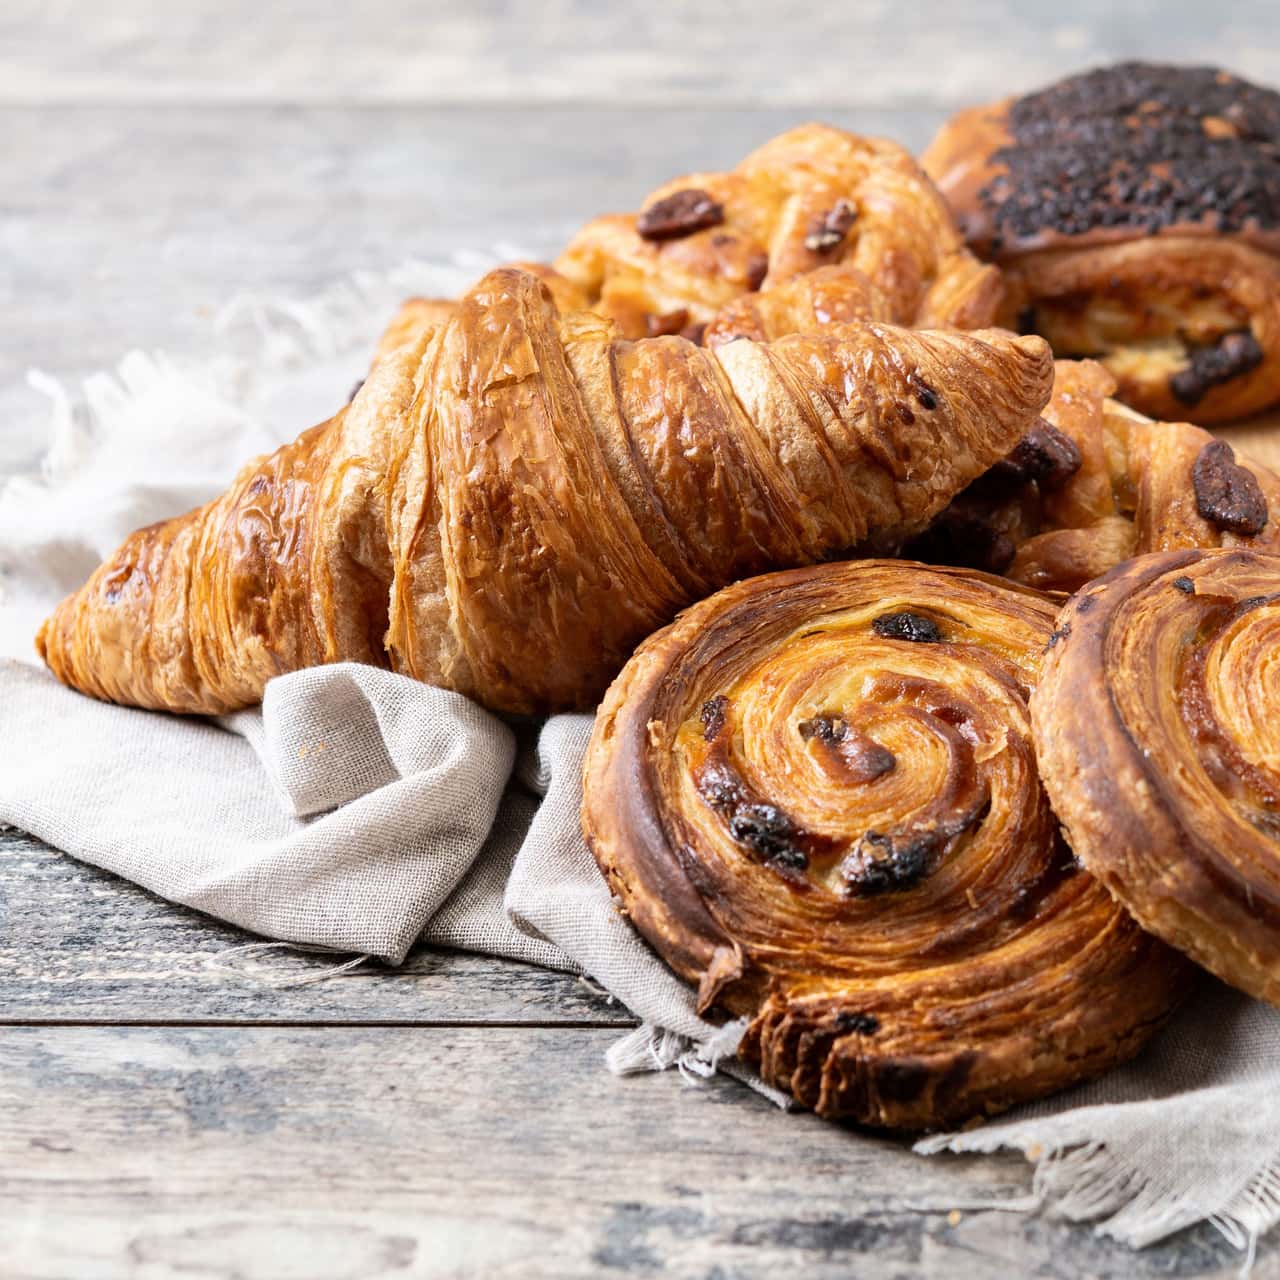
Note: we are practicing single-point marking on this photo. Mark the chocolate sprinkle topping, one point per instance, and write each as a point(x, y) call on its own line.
point(680, 214)
point(1141, 146)
point(906, 625)
point(1232, 355)
point(1227, 494)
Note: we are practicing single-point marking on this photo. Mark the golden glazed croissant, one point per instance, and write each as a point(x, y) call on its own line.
point(1156, 728)
point(813, 197)
point(1135, 211)
point(1097, 484)
point(815, 795)
point(518, 497)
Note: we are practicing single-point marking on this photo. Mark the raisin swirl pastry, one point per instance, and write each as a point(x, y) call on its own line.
point(517, 497)
point(1159, 744)
point(816, 796)
point(1096, 483)
point(813, 197)
point(1135, 211)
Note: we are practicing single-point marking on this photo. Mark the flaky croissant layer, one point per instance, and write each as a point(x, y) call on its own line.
point(517, 497)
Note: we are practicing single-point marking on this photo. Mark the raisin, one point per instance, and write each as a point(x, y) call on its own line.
point(680, 214)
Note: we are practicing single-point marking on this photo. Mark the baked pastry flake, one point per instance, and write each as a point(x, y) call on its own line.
point(517, 497)
point(1159, 744)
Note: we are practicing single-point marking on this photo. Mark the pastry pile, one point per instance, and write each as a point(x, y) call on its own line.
point(944, 841)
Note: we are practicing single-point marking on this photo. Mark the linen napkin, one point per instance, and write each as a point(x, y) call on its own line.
point(359, 811)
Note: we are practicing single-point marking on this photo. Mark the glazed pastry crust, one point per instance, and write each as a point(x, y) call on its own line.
point(1155, 728)
point(815, 795)
point(813, 197)
point(1161, 243)
point(1138, 486)
point(517, 497)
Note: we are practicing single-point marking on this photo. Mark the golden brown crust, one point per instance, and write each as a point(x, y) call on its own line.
point(517, 497)
point(418, 316)
point(1159, 252)
point(1137, 486)
point(815, 795)
point(813, 197)
point(1155, 727)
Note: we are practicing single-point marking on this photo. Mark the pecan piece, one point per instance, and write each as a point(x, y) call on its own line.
point(680, 214)
point(1227, 494)
point(826, 232)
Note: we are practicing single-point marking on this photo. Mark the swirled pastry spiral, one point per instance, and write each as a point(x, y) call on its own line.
point(1096, 484)
point(1156, 727)
point(1135, 211)
point(815, 794)
point(517, 497)
point(813, 197)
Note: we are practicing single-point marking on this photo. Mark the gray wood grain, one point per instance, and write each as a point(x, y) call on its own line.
point(80, 945)
point(788, 51)
point(239, 1154)
point(131, 227)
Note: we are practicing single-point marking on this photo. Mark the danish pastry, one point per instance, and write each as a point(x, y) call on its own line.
point(1157, 736)
point(1135, 211)
point(813, 197)
point(815, 794)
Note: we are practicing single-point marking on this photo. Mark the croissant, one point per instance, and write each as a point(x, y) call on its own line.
point(815, 196)
point(517, 497)
point(815, 795)
point(1155, 727)
point(1135, 211)
point(1096, 484)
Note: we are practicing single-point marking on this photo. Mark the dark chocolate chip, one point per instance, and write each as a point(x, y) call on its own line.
point(905, 625)
point(829, 230)
point(680, 214)
point(1185, 585)
point(1227, 494)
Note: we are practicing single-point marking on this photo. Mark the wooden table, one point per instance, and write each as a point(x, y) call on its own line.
point(165, 1110)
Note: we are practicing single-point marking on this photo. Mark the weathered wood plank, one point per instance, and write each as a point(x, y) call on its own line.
point(131, 227)
point(80, 945)
point(786, 51)
point(264, 1152)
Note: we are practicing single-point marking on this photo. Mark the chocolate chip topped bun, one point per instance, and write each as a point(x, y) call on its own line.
point(1135, 210)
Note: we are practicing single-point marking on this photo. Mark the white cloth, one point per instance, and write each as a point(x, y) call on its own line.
point(359, 811)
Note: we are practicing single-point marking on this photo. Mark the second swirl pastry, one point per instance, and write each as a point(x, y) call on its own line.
point(816, 796)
